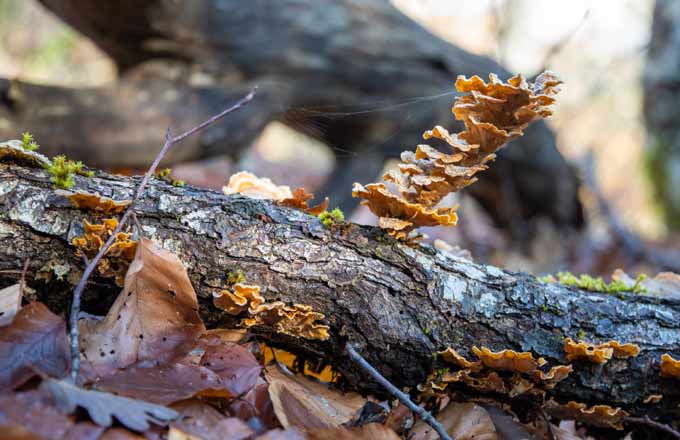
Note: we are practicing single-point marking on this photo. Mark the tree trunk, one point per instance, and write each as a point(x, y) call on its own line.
point(662, 114)
point(318, 61)
point(397, 304)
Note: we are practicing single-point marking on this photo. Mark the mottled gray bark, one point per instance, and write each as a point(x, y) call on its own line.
point(662, 113)
point(316, 61)
point(397, 304)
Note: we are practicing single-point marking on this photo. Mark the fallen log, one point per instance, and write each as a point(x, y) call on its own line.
point(396, 304)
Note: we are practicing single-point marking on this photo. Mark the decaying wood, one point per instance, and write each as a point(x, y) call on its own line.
point(396, 304)
point(316, 63)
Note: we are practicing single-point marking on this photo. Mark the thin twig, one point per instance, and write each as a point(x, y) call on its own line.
point(649, 422)
point(77, 293)
point(403, 397)
point(22, 283)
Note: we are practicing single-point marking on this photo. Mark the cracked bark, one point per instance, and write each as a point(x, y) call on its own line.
point(397, 304)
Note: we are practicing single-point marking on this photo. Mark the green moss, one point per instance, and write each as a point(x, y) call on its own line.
point(586, 282)
point(332, 218)
point(544, 307)
point(580, 335)
point(62, 171)
point(236, 277)
point(28, 143)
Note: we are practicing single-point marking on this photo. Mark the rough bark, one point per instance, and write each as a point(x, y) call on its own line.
point(397, 304)
point(317, 60)
point(662, 114)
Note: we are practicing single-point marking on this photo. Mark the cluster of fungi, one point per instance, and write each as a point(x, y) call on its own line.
point(494, 113)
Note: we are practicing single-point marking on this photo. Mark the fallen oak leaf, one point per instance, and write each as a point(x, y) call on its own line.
point(302, 403)
point(370, 431)
point(255, 403)
point(281, 434)
point(160, 383)
point(102, 407)
point(34, 341)
point(10, 303)
point(120, 434)
point(462, 421)
point(34, 412)
point(200, 420)
point(234, 364)
point(155, 317)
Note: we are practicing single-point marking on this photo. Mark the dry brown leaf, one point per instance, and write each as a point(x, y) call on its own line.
point(35, 340)
point(462, 421)
point(102, 407)
point(307, 405)
point(32, 413)
point(160, 383)
point(10, 302)
point(249, 185)
point(154, 318)
point(200, 420)
point(370, 431)
point(234, 364)
point(282, 434)
point(120, 434)
point(255, 403)
point(299, 201)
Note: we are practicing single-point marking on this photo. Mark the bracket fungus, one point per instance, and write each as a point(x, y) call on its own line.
point(298, 320)
point(494, 113)
point(117, 257)
point(512, 367)
point(249, 185)
point(508, 360)
point(601, 353)
point(669, 366)
point(243, 297)
point(453, 357)
point(94, 202)
point(599, 415)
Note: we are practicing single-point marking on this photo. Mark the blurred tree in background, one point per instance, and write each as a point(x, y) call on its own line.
point(662, 108)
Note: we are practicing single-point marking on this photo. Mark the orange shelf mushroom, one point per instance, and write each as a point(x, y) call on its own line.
point(494, 113)
point(117, 257)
